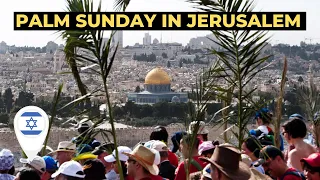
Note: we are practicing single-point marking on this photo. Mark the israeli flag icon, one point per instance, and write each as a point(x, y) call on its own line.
point(31, 123)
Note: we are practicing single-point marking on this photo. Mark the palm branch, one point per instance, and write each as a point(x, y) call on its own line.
point(240, 56)
point(88, 49)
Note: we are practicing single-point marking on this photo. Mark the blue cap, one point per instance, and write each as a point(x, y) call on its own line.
point(297, 116)
point(176, 140)
point(262, 111)
point(51, 164)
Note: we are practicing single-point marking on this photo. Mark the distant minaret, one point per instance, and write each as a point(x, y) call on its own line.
point(161, 38)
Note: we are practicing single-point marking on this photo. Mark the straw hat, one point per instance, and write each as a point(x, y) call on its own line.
point(145, 157)
point(65, 146)
point(256, 175)
point(226, 158)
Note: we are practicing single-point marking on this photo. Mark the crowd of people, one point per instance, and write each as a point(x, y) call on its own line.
point(85, 158)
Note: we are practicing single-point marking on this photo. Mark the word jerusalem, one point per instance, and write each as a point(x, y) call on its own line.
point(159, 21)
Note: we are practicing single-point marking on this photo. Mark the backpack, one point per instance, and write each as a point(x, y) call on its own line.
point(264, 139)
point(295, 173)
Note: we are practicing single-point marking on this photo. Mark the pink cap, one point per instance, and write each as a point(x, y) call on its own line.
point(204, 146)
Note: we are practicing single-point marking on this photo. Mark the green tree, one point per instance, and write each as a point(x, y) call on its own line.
point(4, 118)
point(8, 100)
point(24, 99)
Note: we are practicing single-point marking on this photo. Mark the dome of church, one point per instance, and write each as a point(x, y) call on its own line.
point(175, 99)
point(157, 76)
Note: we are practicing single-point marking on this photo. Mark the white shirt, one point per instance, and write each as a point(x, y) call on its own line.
point(112, 175)
point(259, 168)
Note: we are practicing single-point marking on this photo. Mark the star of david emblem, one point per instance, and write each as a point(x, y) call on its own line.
point(33, 125)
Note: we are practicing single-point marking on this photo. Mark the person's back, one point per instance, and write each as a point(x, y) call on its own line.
point(298, 153)
point(294, 132)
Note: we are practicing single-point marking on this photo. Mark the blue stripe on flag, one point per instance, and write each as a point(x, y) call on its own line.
point(32, 114)
point(34, 132)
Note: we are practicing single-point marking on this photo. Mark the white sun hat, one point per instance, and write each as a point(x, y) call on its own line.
point(70, 168)
point(121, 149)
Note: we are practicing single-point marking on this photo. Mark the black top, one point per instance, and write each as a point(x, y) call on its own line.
point(167, 170)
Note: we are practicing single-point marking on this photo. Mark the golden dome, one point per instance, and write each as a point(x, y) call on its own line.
point(157, 76)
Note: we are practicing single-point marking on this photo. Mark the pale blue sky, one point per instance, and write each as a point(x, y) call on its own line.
point(40, 38)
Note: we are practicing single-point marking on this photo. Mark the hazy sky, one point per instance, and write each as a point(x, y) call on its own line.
point(40, 38)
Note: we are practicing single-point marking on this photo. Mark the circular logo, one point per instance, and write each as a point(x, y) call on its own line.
point(31, 121)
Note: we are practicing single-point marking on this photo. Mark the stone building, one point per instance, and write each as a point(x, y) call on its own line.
point(157, 88)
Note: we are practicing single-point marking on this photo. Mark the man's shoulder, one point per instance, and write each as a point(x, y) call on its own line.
point(293, 174)
point(292, 177)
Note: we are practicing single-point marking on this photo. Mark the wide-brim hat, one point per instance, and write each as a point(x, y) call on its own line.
point(226, 158)
point(256, 175)
point(65, 146)
point(145, 157)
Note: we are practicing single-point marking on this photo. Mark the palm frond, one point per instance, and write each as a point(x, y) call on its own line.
point(240, 56)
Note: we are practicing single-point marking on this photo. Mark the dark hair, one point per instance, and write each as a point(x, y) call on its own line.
point(159, 133)
point(188, 140)
point(205, 137)
point(308, 166)
point(216, 143)
point(124, 168)
point(253, 144)
point(95, 171)
point(29, 174)
point(265, 115)
point(83, 129)
point(72, 178)
point(208, 152)
point(296, 128)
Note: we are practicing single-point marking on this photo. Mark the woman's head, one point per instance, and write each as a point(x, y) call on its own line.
point(159, 133)
point(94, 170)
point(263, 117)
point(251, 147)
